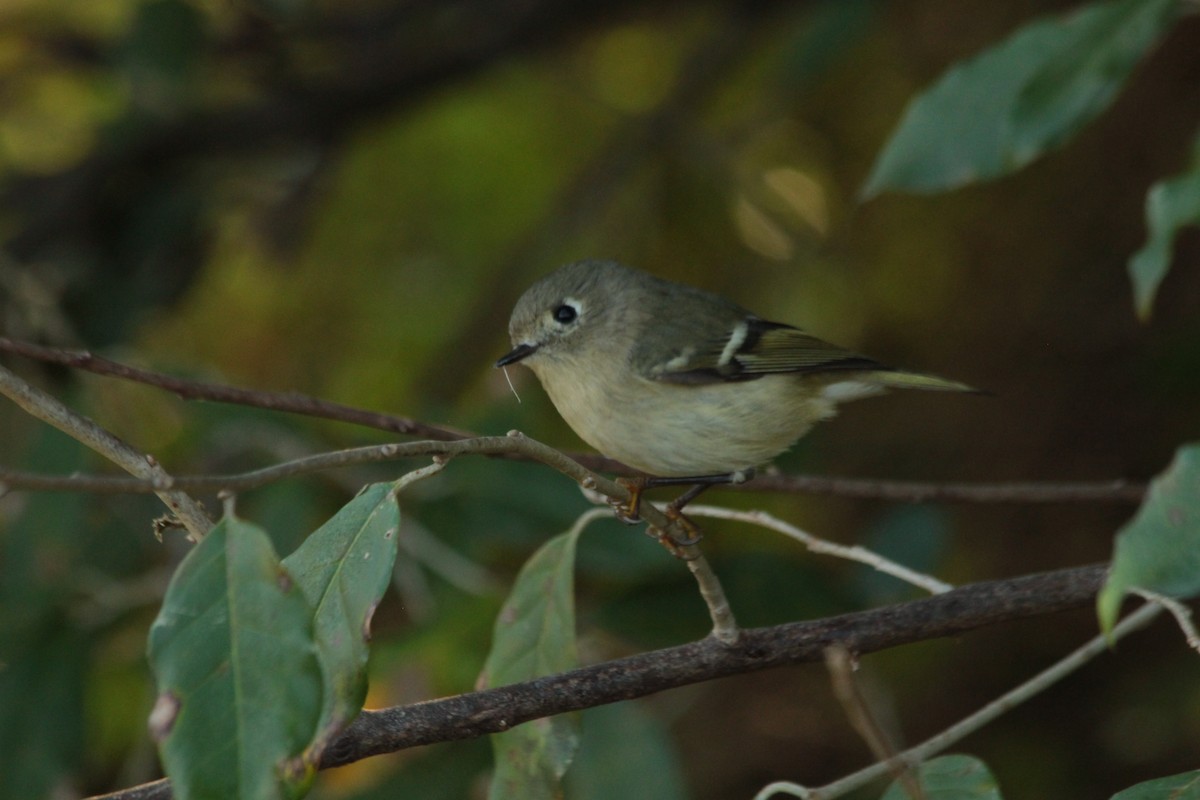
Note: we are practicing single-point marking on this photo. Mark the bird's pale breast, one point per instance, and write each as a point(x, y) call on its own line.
point(671, 430)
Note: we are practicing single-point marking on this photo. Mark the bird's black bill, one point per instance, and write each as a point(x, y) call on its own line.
point(516, 354)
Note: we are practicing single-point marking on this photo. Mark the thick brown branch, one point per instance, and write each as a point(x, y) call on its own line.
point(476, 714)
point(491, 711)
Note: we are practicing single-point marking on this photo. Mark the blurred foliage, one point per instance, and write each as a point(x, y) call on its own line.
point(535, 636)
point(950, 776)
point(345, 198)
point(1158, 550)
point(1171, 204)
point(1033, 92)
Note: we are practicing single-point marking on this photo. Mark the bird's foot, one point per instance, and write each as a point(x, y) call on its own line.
point(675, 544)
point(628, 511)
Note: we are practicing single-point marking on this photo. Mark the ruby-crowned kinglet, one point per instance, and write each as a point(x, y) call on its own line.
point(678, 382)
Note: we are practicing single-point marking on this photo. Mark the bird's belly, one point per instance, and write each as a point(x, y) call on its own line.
point(674, 430)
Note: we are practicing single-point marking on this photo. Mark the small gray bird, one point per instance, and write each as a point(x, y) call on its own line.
point(678, 382)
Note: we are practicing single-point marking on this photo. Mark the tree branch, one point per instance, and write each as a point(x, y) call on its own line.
point(1119, 491)
point(1006, 702)
point(293, 402)
point(475, 714)
point(141, 465)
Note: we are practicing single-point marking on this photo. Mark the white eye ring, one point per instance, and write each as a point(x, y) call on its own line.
point(566, 312)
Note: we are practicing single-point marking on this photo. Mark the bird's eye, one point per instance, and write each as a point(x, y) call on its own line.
point(565, 314)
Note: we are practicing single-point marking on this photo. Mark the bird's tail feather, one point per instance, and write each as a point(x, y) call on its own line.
point(899, 379)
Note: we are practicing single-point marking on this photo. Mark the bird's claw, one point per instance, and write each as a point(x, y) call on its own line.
point(629, 511)
point(678, 545)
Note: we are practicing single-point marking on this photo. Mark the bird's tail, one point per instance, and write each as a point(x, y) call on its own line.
point(899, 379)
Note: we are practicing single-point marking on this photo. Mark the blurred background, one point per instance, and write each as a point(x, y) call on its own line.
point(345, 198)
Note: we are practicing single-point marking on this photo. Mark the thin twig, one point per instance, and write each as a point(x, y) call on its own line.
point(1119, 491)
point(1009, 700)
point(292, 402)
point(243, 481)
point(724, 625)
point(899, 491)
point(840, 663)
point(825, 547)
point(474, 714)
point(725, 629)
point(141, 465)
point(1181, 613)
point(420, 474)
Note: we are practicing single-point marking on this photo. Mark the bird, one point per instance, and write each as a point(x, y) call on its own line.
point(681, 384)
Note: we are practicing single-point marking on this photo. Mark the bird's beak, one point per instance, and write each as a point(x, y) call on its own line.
point(516, 354)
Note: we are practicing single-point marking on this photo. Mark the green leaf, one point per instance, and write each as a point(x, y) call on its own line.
point(1159, 549)
point(535, 636)
point(1096, 49)
point(344, 568)
point(239, 684)
point(1002, 109)
point(954, 777)
point(1184, 786)
point(1170, 205)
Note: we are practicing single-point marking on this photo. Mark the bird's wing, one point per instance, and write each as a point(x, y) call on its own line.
point(753, 348)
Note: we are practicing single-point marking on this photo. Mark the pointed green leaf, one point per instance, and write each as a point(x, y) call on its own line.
point(239, 684)
point(995, 113)
point(953, 777)
point(1170, 205)
point(344, 568)
point(535, 636)
point(1096, 50)
point(1159, 549)
point(1184, 786)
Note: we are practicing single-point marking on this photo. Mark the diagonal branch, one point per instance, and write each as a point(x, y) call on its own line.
point(141, 465)
point(475, 714)
point(1006, 702)
point(291, 402)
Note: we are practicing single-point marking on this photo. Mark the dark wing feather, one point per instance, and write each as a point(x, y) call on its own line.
point(765, 348)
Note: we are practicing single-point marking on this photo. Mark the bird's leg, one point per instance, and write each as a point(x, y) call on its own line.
point(676, 505)
point(699, 484)
point(628, 512)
